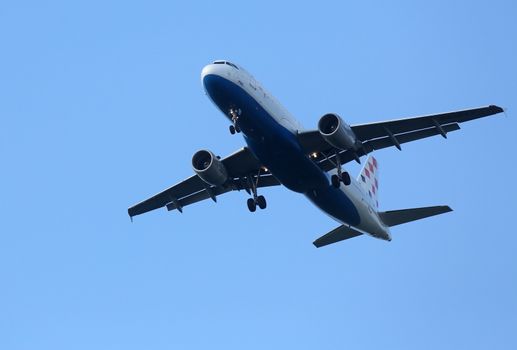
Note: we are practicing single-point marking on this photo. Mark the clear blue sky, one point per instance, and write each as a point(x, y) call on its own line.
point(101, 106)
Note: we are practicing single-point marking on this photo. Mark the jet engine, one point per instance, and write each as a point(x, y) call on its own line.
point(337, 133)
point(209, 168)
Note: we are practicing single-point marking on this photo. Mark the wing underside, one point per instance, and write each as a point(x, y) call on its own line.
point(375, 136)
point(242, 166)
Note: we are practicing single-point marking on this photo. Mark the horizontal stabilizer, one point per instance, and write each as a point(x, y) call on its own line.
point(397, 217)
point(338, 234)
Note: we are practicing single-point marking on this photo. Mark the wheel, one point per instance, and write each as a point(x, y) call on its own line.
point(252, 206)
point(335, 181)
point(261, 202)
point(345, 177)
point(237, 129)
point(232, 129)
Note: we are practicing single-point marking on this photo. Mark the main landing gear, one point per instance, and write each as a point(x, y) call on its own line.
point(234, 114)
point(253, 203)
point(256, 201)
point(345, 179)
point(341, 176)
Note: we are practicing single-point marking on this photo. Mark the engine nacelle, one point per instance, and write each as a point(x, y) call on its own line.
point(337, 133)
point(209, 168)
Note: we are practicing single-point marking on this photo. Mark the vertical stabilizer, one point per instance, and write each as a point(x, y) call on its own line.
point(369, 180)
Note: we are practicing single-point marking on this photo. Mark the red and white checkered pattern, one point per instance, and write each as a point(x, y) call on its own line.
point(369, 179)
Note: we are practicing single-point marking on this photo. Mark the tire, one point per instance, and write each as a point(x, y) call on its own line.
point(345, 177)
point(261, 202)
point(237, 129)
point(335, 181)
point(252, 206)
point(232, 129)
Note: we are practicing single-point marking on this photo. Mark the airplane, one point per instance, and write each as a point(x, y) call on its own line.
point(280, 152)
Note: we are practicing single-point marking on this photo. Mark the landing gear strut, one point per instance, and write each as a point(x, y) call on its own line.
point(257, 200)
point(341, 176)
point(234, 114)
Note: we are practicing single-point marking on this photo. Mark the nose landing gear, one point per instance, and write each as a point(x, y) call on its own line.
point(234, 114)
point(234, 129)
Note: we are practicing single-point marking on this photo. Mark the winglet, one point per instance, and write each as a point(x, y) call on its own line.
point(496, 109)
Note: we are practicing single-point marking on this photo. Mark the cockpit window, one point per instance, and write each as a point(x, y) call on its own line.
point(227, 63)
point(232, 65)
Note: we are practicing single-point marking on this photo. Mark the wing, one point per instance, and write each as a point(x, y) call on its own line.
point(242, 167)
point(380, 135)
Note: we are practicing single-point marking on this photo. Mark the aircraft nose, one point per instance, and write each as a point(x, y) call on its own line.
point(217, 86)
point(209, 74)
point(214, 85)
point(214, 69)
point(212, 79)
point(208, 69)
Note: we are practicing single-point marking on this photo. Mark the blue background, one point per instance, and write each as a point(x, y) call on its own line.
point(101, 106)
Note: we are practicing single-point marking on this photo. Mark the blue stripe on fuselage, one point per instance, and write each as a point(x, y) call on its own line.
point(279, 150)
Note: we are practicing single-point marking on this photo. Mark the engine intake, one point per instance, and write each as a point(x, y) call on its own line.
point(337, 133)
point(209, 168)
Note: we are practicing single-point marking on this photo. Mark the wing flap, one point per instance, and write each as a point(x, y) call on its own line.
point(384, 142)
point(173, 193)
point(346, 156)
point(264, 181)
point(378, 129)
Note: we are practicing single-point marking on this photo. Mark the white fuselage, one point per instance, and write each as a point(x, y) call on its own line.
point(365, 208)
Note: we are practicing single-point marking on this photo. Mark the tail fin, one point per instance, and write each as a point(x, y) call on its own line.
point(397, 217)
point(369, 179)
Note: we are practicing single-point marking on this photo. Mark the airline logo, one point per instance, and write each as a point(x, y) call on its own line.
point(369, 178)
